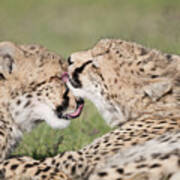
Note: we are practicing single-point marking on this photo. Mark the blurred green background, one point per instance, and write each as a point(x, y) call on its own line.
point(65, 26)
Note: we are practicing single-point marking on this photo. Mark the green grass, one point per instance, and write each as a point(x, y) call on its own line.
point(65, 26)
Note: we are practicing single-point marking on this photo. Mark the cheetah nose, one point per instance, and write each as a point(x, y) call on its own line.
point(69, 60)
point(65, 77)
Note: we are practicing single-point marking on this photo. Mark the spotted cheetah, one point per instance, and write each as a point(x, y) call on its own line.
point(31, 92)
point(137, 90)
point(133, 87)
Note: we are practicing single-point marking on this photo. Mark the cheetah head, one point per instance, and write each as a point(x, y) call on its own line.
point(31, 87)
point(121, 78)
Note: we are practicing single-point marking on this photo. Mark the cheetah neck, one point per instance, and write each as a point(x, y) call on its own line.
point(112, 113)
point(117, 113)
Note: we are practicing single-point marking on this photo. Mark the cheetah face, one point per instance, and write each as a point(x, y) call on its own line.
point(91, 75)
point(119, 77)
point(32, 87)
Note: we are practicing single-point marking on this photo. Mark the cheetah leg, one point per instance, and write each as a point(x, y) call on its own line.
point(4, 136)
point(26, 168)
point(151, 169)
point(73, 164)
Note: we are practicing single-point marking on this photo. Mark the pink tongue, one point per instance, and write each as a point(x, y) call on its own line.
point(65, 77)
point(77, 112)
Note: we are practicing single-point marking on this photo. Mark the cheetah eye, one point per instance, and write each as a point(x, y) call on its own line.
point(59, 76)
point(94, 66)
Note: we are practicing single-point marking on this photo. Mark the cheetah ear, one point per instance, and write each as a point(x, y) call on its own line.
point(156, 90)
point(101, 47)
point(7, 52)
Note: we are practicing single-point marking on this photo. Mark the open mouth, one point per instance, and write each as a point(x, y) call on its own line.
point(73, 115)
point(79, 103)
point(77, 112)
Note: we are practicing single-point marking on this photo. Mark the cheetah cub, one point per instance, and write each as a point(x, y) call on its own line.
point(138, 90)
point(32, 92)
